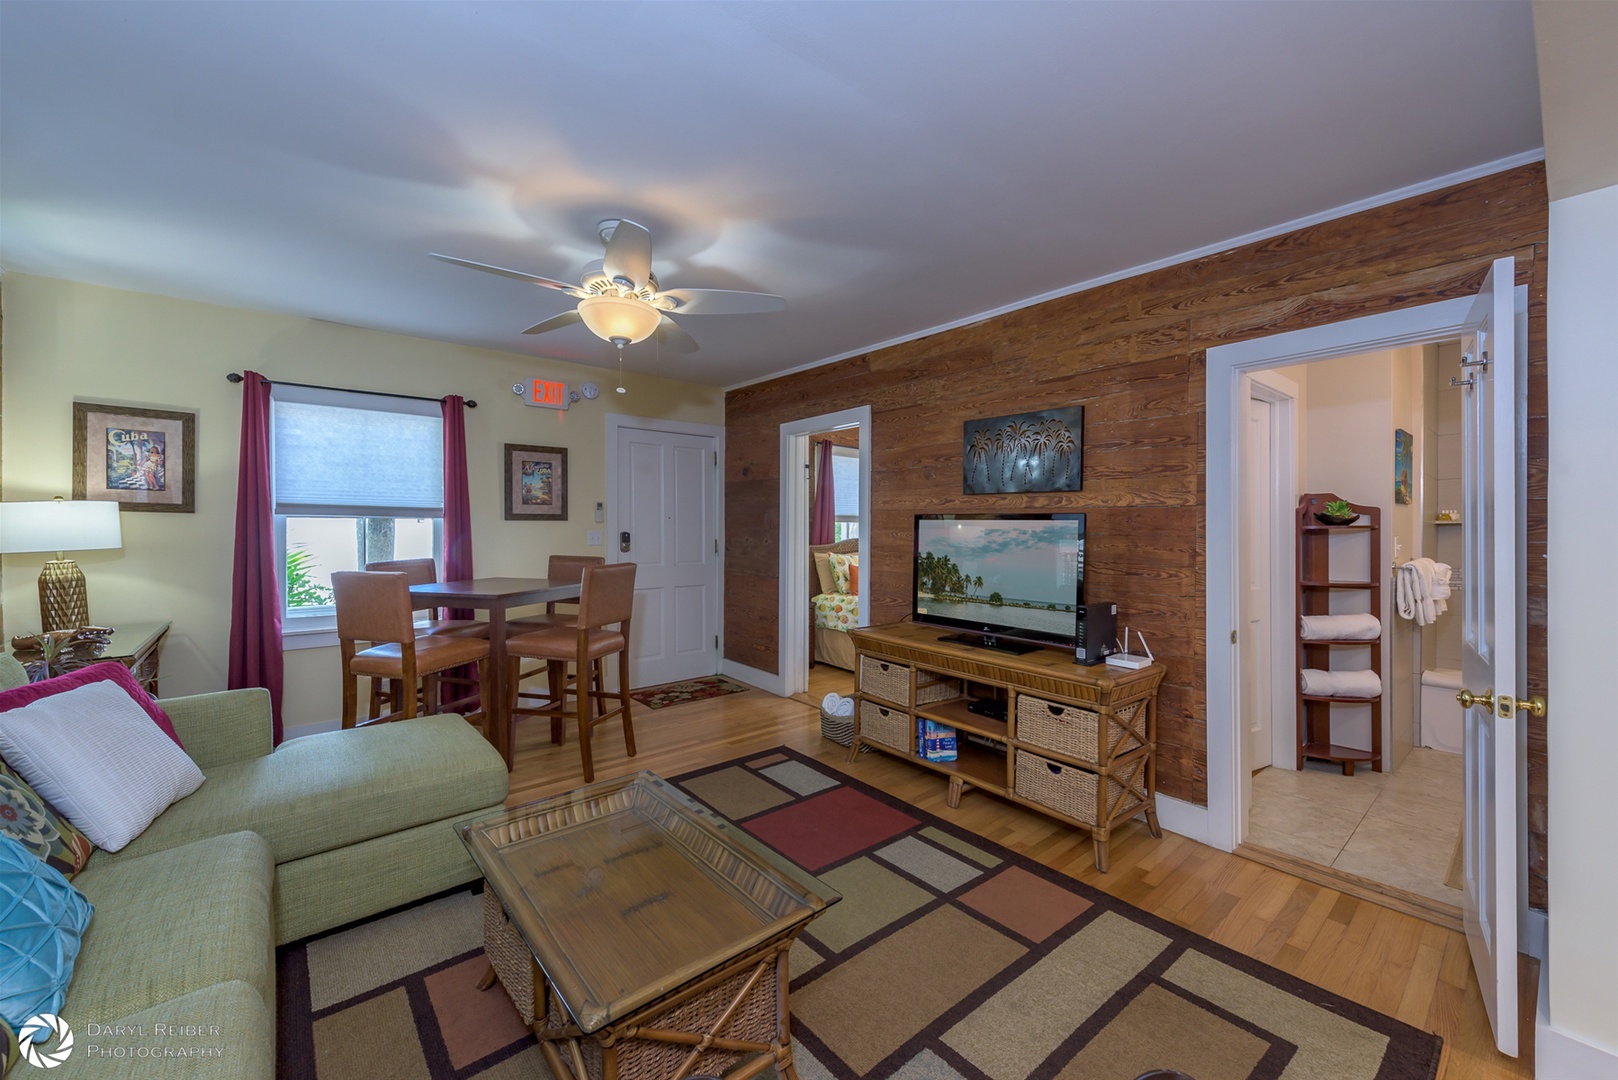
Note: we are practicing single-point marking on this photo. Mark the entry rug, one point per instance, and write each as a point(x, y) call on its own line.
point(949, 957)
point(678, 693)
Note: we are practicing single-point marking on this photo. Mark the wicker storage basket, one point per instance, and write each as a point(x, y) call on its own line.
point(839, 729)
point(1067, 789)
point(891, 682)
point(509, 955)
point(890, 727)
point(1075, 731)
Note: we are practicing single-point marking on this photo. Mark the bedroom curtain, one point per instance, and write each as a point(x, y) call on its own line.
point(823, 511)
point(255, 589)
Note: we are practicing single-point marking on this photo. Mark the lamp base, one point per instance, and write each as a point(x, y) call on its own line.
point(64, 602)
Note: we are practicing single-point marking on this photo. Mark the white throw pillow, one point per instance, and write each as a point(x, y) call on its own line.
point(97, 755)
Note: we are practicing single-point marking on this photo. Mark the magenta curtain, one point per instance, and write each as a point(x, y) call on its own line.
point(823, 511)
point(457, 498)
point(255, 588)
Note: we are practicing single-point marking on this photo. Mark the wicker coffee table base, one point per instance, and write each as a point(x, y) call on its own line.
point(735, 1017)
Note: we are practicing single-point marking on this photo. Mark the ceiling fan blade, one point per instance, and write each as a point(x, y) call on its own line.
point(532, 279)
point(723, 302)
point(555, 322)
point(670, 333)
point(629, 254)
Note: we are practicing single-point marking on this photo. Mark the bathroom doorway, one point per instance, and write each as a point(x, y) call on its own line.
point(1379, 429)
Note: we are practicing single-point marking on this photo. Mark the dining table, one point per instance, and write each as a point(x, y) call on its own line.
point(497, 596)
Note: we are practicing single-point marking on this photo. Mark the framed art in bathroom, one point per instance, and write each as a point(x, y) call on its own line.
point(1401, 467)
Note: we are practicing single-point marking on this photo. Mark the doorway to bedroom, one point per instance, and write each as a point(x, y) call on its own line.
point(825, 537)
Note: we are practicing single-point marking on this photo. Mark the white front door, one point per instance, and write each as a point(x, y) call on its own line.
point(1492, 513)
point(1258, 510)
point(666, 500)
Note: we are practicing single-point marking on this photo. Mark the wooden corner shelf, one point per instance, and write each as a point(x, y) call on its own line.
point(1317, 583)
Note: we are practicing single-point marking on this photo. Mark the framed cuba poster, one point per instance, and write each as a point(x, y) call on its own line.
point(142, 459)
point(536, 483)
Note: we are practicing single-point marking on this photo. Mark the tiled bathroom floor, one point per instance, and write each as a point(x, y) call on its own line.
point(1399, 829)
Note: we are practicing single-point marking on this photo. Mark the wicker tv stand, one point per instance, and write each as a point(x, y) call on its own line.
point(1078, 743)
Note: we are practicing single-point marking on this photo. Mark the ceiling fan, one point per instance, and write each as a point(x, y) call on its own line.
point(619, 297)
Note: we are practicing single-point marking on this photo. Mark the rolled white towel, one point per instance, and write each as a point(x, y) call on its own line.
point(845, 707)
point(1361, 627)
point(1441, 572)
point(831, 703)
point(1344, 684)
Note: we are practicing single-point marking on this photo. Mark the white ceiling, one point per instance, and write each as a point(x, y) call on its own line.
point(889, 168)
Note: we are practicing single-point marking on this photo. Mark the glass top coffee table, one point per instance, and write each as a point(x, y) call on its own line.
point(639, 933)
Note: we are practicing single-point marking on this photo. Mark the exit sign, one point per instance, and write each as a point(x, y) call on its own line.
point(544, 393)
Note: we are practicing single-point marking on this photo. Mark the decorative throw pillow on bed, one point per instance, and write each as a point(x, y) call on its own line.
point(42, 919)
point(107, 671)
point(39, 826)
point(823, 572)
point(841, 566)
point(95, 753)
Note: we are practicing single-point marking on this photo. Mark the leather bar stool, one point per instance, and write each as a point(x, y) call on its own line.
point(607, 600)
point(373, 608)
point(557, 684)
point(425, 572)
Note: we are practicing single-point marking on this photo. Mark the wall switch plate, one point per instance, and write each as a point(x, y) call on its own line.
point(593, 538)
point(601, 511)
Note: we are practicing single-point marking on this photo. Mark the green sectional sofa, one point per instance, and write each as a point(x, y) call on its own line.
point(176, 973)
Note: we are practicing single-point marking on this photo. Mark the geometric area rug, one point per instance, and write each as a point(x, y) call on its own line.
point(949, 958)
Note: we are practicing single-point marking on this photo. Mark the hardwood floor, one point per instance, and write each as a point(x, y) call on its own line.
point(1392, 962)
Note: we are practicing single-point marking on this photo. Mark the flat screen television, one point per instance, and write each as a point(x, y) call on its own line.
point(1009, 581)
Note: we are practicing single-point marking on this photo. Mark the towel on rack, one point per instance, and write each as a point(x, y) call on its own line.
point(1344, 684)
point(1421, 590)
point(1360, 627)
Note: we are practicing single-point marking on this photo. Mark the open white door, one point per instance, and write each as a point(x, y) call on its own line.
point(1489, 660)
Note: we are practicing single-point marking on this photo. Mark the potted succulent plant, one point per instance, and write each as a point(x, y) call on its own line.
point(1337, 512)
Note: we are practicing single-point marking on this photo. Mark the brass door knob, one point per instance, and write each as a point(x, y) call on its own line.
point(1534, 705)
point(1469, 699)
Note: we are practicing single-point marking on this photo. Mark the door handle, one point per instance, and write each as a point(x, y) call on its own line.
point(623, 541)
point(1469, 699)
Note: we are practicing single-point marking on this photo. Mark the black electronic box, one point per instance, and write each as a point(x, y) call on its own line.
point(1098, 633)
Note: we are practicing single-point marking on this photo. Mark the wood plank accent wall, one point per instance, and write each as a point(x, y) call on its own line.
point(1133, 353)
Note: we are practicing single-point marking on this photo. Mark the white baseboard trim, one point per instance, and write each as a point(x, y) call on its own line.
point(310, 729)
point(764, 680)
point(1535, 934)
point(1560, 1055)
point(1186, 819)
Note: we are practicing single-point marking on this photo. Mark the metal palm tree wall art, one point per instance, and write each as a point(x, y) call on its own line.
point(1033, 451)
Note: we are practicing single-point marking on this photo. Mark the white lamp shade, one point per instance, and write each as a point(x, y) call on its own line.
point(79, 525)
point(615, 318)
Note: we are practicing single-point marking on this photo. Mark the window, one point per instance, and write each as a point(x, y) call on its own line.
point(845, 479)
point(357, 478)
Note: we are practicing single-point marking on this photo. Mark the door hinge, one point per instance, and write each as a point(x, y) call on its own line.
point(1233, 637)
point(716, 641)
point(716, 545)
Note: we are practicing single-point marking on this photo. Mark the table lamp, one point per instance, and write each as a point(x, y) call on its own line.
point(60, 526)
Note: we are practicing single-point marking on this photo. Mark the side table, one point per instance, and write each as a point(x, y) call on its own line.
point(136, 645)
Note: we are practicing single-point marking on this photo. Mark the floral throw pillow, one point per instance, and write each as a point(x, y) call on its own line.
point(842, 569)
point(37, 826)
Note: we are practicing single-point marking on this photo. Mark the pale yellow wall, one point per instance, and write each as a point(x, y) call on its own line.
point(67, 341)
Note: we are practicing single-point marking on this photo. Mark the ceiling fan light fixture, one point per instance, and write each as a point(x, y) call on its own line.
point(624, 319)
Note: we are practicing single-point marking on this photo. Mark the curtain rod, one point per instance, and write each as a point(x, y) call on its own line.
point(236, 377)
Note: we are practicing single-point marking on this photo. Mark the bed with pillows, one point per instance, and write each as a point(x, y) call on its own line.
point(834, 603)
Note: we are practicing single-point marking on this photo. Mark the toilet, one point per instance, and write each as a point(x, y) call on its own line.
point(1440, 712)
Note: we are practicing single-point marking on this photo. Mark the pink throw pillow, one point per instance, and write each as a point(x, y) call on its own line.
point(106, 671)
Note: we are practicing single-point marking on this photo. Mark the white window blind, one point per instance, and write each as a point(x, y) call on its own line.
point(335, 452)
point(845, 478)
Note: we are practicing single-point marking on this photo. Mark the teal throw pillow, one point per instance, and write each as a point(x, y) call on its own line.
point(42, 919)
